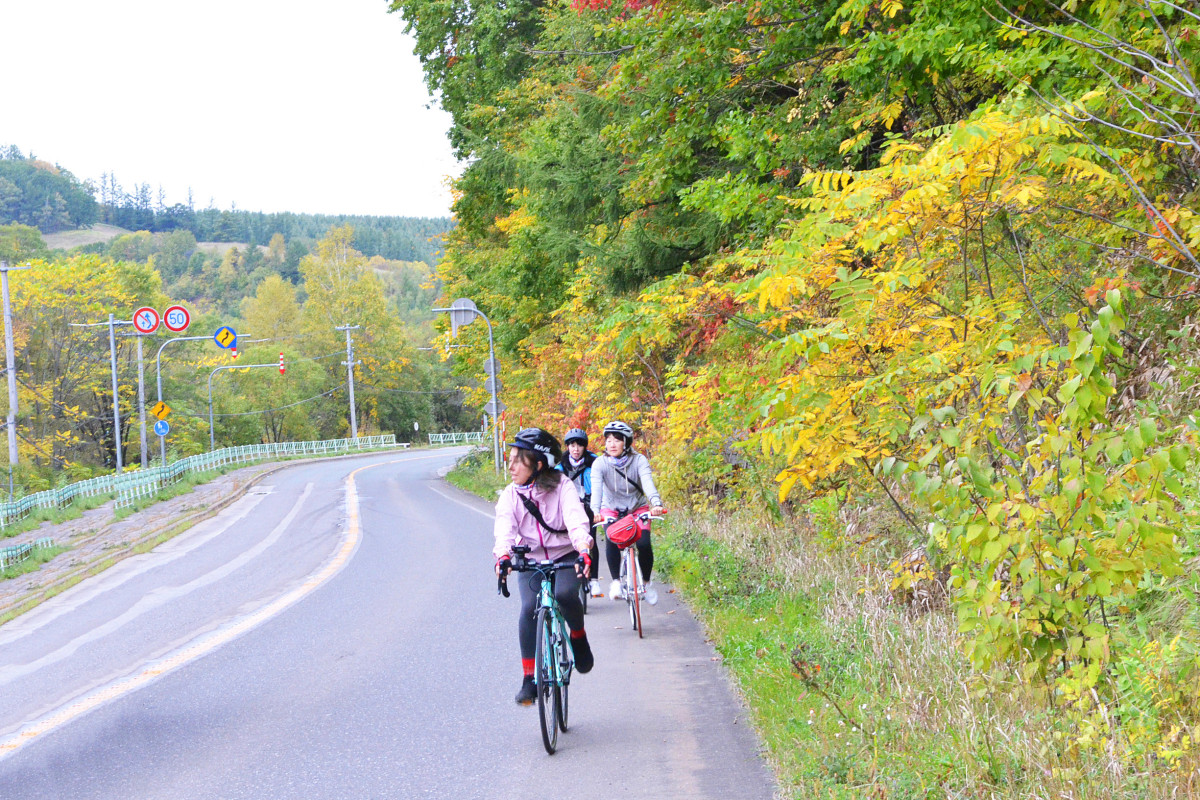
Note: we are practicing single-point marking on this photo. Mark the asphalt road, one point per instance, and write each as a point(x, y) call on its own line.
point(336, 634)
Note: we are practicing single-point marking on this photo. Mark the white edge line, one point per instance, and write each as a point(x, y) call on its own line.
point(204, 644)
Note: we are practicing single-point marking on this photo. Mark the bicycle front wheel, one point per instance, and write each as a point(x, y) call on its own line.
point(634, 589)
point(565, 664)
point(546, 672)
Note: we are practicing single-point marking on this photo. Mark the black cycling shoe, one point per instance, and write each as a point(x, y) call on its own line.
point(584, 660)
point(528, 692)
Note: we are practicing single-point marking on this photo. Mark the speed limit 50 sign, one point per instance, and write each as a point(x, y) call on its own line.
point(177, 318)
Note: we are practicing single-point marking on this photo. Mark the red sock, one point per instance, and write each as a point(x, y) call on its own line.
point(579, 634)
point(526, 666)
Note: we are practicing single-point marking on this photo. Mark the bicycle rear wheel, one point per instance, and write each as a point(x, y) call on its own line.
point(546, 671)
point(632, 586)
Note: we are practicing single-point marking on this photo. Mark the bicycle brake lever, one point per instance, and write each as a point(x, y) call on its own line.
point(502, 585)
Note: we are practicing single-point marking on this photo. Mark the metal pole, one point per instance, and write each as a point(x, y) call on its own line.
point(112, 349)
point(162, 440)
point(142, 403)
point(350, 364)
point(495, 399)
point(495, 402)
point(11, 362)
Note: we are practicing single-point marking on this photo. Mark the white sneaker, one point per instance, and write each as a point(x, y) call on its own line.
point(651, 593)
point(595, 588)
point(614, 591)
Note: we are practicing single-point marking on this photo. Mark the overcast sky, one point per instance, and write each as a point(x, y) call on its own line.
point(276, 105)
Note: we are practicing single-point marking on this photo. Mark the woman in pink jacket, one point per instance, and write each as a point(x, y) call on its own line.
point(541, 509)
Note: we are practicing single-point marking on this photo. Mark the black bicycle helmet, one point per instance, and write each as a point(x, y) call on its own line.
point(576, 435)
point(540, 442)
point(620, 429)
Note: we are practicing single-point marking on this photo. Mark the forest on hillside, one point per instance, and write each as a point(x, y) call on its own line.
point(287, 303)
point(48, 197)
point(936, 258)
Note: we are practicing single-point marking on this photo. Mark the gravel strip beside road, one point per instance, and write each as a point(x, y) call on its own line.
point(97, 536)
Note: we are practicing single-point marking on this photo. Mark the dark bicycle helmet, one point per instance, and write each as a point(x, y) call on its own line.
point(576, 435)
point(540, 442)
point(620, 429)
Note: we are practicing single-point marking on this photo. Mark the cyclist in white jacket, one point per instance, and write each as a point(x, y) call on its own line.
point(622, 484)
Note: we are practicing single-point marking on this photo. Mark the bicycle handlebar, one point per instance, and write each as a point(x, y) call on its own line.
point(522, 564)
point(645, 516)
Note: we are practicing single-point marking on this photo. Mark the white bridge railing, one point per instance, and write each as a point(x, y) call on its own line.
point(130, 486)
point(456, 438)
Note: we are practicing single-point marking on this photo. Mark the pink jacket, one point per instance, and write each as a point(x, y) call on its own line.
point(560, 508)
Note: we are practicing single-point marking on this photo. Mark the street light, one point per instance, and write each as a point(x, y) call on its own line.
point(463, 312)
point(212, 436)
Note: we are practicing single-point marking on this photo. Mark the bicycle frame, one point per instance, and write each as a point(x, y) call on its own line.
point(554, 657)
point(631, 580)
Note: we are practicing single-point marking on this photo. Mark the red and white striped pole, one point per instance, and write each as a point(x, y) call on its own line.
point(282, 369)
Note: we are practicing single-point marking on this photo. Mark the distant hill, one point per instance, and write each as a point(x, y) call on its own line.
point(46, 196)
point(96, 234)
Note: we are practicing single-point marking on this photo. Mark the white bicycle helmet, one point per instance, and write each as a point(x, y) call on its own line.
point(620, 429)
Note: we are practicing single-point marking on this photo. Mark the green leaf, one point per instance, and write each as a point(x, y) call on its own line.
point(1067, 391)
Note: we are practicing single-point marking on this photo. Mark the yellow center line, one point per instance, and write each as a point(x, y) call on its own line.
point(208, 642)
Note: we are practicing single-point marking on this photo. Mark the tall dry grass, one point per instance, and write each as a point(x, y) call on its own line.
point(937, 727)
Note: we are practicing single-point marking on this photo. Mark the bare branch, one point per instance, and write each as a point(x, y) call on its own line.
point(618, 51)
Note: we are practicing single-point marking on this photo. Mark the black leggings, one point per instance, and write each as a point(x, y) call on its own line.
point(566, 592)
point(645, 556)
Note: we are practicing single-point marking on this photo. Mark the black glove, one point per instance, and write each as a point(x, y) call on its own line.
point(505, 565)
point(583, 566)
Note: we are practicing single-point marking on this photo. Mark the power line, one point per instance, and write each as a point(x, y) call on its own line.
point(411, 391)
point(265, 410)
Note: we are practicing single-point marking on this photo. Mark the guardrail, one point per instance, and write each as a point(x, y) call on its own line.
point(130, 486)
point(456, 438)
point(19, 552)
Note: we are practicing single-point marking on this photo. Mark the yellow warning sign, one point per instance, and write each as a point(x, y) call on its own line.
point(160, 410)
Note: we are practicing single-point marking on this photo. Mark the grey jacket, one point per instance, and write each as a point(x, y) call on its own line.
point(610, 490)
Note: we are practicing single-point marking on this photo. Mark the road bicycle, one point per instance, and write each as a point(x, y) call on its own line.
point(553, 658)
point(632, 588)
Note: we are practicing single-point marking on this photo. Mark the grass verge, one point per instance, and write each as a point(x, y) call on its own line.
point(476, 473)
point(855, 697)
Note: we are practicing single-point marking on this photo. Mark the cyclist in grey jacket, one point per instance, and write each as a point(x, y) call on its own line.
point(622, 484)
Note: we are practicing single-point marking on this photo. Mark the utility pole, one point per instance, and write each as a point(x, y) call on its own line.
point(142, 403)
point(350, 364)
point(11, 363)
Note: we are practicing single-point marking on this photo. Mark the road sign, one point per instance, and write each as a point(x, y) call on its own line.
point(491, 366)
point(160, 410)
point(162, 427)
point(145, 320)
point(463, 314)
point(177, 318)
point(225, 337)
point(492, 385)
point(490, 410)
